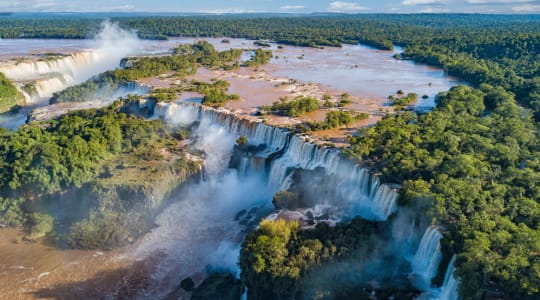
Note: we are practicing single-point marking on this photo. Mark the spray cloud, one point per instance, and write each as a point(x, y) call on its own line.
point(198, 233)
point(109, 46)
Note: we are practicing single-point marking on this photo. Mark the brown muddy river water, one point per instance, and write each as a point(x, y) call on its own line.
point(38, 271)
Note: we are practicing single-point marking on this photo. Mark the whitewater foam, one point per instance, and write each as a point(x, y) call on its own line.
point(361, 190)
point(426, 261)
point(53, 74)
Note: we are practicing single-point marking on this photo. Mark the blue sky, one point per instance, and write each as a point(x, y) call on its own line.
point(291, 6)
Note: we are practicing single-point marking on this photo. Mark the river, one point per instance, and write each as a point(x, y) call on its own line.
point(199, 230)
point(359, 70)
point(356, 69)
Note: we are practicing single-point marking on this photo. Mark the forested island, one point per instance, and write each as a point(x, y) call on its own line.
point(471, 166)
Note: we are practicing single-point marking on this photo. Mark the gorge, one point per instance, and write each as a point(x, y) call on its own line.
point(269, 160)
point(206, 166)
point(237, 185)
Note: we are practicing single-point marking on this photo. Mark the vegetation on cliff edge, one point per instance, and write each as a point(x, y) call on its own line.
point(10, 97)
point(94, 171)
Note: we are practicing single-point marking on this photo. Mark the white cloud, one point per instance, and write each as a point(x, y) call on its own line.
point(14, 5)
point(220, 11)
point(526, 8)
point(498, 1)
point(345, 7)
point(434, 10)
point(63, 6)
point(424, 2)
point(40, 4)
point(292, 7)
point(122, 7)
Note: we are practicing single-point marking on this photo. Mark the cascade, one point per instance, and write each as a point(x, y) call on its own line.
point(428, 257)
point(384, 200)
point(131, 85)
point(27, 97)
point(449, 289)
point(52, 75)
point(45, 88)
point(55, 74)
point(286, 152)
point(277, 154)
point(69, 64)
point(410, 235)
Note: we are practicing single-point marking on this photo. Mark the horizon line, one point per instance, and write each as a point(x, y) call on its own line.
point(268, 12)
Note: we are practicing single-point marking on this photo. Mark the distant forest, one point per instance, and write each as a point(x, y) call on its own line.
point(472, 165)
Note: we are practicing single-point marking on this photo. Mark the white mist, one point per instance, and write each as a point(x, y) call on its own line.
point(109, 46)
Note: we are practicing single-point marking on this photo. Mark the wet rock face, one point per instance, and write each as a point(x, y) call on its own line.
point(139, 107)
point(246, 152)
point(187, 284)
point(219, 287)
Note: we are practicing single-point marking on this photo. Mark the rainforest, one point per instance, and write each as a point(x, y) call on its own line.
point(270, 156)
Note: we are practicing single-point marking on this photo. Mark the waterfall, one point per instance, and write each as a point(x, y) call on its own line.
point(203, 229)
point(286, 152)
point(302, 155)
point(384, 200)
point(410, 234)
point(51, 74)
point(449, 289)
point(47, 87)
point(69, 64)
point(427, 258)
point(48, 76)
point(43, 88)
point(405, 234)
point(172, 114)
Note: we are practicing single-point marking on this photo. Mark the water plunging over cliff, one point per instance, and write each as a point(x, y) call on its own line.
point(449, 289)
point(69, 64)
point(46, 75)
point(201, 231)
point(273, 157)
point(427, 258)
point(361, 192)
